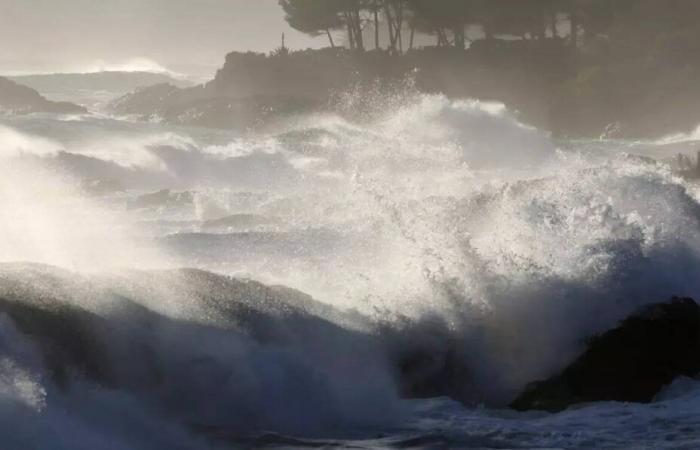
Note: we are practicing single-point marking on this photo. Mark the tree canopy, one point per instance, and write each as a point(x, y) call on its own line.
point(456, 22)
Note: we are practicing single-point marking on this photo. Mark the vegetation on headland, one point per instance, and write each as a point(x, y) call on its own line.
point(580, 68)
point(632, 65)
point(450, 22)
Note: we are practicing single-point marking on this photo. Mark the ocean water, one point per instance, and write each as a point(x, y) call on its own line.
point(391, 281)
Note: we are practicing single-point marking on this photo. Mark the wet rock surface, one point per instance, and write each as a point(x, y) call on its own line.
point(630, 363)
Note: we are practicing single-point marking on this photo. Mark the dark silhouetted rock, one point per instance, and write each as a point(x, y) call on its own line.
point(630, 363)
point(18, 99)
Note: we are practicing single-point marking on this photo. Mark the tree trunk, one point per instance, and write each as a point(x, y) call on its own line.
point(442, 38)
point(357, 23)
point(574, 20)
point(351, 31)
point(553, 24)
point(399, 25)
point(376, 26)
point(330, 37)
point(460, 38)
point(413, 34)
point(390, 25)
point(487, 32)
point(541, 30)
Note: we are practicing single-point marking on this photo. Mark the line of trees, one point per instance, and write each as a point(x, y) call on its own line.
point(447, 20)
point(456, 22)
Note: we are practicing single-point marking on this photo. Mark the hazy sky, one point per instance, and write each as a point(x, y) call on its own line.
point(183, 35)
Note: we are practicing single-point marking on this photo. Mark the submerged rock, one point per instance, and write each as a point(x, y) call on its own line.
point(630, 363)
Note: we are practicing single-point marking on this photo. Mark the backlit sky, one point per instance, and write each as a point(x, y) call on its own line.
point(188, 36)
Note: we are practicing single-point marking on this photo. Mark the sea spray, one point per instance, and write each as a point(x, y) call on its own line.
point(448, 249)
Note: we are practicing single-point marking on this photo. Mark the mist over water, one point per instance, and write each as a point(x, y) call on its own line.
point(439, 231)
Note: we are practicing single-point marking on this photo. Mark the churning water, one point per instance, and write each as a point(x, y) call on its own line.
point(186, 288)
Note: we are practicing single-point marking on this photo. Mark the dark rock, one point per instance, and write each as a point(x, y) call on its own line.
point(18, 99)
point(101, 187)
point(203, 106)
point(240, 221)
point(630, 363)
point(160, 199)
point(147, 101)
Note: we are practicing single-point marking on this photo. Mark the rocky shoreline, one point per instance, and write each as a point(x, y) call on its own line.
point(543, 82)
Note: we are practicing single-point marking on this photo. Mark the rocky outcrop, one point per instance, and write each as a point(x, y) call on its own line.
point(151, 100)
point(251, 89)
point(107, 81)
point(639, 96)
point(18, 99)
point(160, 199)
point(206, 107)
point(240, 222)
point(630, 363)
